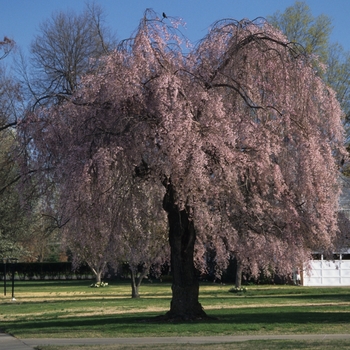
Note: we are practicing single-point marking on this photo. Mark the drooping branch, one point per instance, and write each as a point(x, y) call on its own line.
point(8, 125)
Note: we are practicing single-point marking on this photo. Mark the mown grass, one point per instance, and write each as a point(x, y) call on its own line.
point(248, 345)
point(70, 309)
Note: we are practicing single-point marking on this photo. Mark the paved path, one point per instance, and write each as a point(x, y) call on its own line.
point(10, 343)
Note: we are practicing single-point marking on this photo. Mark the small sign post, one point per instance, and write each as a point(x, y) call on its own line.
point(5, 272)
point(13, 262)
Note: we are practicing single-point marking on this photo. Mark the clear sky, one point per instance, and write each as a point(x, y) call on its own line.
point(19, 19)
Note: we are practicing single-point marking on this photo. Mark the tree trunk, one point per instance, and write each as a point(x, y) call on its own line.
point(97, 272)
point(98, 276)
point(238, 282)
point(185, 287)
point(136, 281)
point(134, 285)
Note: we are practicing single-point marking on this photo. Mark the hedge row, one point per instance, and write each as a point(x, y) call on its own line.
point(51, 270)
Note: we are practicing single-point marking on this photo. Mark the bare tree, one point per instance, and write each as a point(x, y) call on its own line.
point(6, 46)
point(67, 46)
point(13, 221)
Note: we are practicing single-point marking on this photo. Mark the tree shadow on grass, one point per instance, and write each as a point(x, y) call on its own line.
point(289, 317)
point(131, 325)
point(60, 326)
point(261, 300)
point(303, 296)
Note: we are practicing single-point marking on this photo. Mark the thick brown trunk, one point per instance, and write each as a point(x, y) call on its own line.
point(185, 287)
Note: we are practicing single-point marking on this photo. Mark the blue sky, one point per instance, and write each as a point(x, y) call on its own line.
point(20, 19)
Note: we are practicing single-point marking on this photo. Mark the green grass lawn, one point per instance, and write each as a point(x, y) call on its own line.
point(71, 309)
point(249, 345)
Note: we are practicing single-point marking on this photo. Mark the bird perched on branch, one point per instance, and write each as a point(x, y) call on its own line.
point(164, 15)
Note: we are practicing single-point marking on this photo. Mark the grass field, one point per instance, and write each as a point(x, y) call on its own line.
point(249, 345)
point(71, 309)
